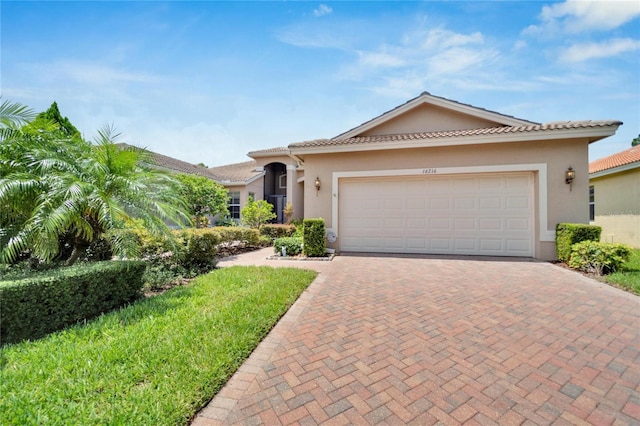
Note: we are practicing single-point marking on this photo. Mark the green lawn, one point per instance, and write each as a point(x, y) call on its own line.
point(154, 363)
point(629, 277)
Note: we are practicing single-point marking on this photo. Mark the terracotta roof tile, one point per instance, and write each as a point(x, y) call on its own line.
point(238, 172)
point(631, 155)
point(559, 125)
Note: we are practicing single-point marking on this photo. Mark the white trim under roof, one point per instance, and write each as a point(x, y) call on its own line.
point(426, 98)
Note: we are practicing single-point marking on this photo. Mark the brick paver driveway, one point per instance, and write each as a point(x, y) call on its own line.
point(418, 340)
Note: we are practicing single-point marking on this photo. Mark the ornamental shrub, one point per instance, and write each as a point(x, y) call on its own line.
point(230, 234)
point(315, 244)
point(599, 258)
point(201, 248)
point(49, 301)
point(292, 245)
point(568, 234)
point(274, 231)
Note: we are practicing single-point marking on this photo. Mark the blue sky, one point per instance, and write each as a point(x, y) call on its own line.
point(210, 81)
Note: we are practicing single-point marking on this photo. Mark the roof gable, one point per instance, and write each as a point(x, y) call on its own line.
point(429, 113)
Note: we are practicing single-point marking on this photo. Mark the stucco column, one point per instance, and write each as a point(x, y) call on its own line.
point(291, 174)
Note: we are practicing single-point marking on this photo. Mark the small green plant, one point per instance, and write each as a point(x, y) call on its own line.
point(256, 213)
point(315, 244)
point(288, 212)
point(599, 258)
point(292, 245)
point(568, 234)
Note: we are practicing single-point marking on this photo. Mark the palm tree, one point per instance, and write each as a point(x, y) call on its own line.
point(66, 186)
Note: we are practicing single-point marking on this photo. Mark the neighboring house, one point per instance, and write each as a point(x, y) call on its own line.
point(434, 176)
point(614, 196)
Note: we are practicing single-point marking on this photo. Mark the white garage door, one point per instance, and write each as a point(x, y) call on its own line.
point(479, 214)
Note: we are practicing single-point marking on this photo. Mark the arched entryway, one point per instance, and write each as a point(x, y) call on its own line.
point(275, 188)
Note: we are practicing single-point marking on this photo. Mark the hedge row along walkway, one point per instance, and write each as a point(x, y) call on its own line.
point(426, 340)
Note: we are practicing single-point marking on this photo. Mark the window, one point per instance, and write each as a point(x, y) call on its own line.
point(252, 195)
point(234, 204)
point(592, 203)
point(282, 181)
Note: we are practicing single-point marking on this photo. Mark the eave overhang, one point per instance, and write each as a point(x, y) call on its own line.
point(592, 134)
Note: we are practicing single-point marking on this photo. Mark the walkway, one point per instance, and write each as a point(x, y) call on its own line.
point(431, 340)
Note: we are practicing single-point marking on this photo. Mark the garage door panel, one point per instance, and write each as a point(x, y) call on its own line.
point(466, 203)
point(489, 214)
point(416, 223)
point(517, 202)
point(439, 203)
point(490, 203)
point(517, 224)
point(495, 245)
point(490, 223)
point(465, 244)
point(439, 224)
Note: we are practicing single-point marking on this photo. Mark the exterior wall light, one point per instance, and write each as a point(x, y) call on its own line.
point(570, 175)
point(317, 184)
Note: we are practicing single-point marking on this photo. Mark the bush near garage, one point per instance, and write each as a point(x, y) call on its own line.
point(598, 258)
point(315, 244)
point(568, 234)
point(292, 245)
point(47, 301)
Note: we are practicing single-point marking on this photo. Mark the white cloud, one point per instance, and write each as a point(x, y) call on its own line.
point(441, 38)
point(586, 51)
point(381, 59)
point(322, 10)
point(457, 60)
point(576, 16)
point(520, 44)
point(95, 74)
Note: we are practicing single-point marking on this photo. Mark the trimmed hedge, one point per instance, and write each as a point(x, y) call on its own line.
point(599, 258)
point(274, 231)
point(293, 245)
point(568, 234)
point(315, 244)
point(45, 302)
point(229, 234)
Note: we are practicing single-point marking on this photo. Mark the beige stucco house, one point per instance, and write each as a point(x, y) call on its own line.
point(432, 176)
point(614, 196)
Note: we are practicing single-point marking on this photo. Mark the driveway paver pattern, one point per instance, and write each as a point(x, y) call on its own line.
point(431, 340)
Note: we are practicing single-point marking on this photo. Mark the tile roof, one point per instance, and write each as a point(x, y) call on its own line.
point(361, 140)
point(176, 165)
point(631, 155)
point(269, 152)
point(238, 172)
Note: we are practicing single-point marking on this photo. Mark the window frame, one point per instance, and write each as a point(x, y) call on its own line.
point(234, 205)
point(592, 203)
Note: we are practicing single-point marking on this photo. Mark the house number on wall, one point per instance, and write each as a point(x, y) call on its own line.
point(429, 171)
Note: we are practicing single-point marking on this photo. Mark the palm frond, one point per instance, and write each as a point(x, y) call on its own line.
point(14, 114)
